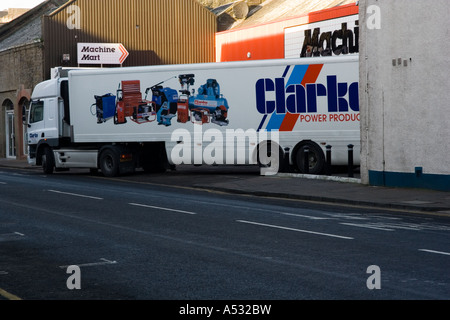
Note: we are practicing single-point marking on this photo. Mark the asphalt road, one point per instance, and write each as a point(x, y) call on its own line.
point(157, 238)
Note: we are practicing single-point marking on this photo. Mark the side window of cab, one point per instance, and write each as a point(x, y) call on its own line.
point(36, 111)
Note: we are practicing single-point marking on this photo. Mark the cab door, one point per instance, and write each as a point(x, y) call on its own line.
point(43, 120)
point(36, 124)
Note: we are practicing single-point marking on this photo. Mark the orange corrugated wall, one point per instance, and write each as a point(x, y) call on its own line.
point(266, 41)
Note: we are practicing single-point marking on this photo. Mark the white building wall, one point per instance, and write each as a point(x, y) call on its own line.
point(404, 93)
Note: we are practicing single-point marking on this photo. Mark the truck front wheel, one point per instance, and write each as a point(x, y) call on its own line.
point(48, 161)
point(109, 163)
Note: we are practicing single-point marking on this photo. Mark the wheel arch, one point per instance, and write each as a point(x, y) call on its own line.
point(112, 147)
point(110, 171)
point(41, 146)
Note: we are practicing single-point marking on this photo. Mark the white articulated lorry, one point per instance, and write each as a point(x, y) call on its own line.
point(153, 117)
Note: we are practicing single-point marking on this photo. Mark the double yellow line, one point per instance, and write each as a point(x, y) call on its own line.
point(8, 295)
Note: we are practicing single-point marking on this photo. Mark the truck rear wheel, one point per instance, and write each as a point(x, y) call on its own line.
point(109, 163)
point(48, 161)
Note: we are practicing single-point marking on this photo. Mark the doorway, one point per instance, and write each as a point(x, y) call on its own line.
point(10, 134)
point(24, 104)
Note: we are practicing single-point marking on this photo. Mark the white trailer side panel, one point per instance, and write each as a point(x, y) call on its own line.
point(309, 98)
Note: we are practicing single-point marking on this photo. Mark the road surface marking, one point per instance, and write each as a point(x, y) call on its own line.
point(160, 208)
point(11, 236)
point(75, 194)
point(293, 229)
point(103, 262)
point(260, 209)
point(303, 216)
point(366, 226)
point(433, 251)
point(8, 295)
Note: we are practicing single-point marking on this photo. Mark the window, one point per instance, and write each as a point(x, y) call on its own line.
point(36, 111)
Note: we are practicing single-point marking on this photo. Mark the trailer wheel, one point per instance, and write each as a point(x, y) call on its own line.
point(48, 161)
point(109, 163)
point(316, 158)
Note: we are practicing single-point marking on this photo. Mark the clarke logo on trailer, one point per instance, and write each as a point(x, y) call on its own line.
point(288, 100)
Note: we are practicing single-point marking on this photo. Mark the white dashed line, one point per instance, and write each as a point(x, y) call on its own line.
point(293, 229)
point(161, 208)
point(75, 194)
point(434, 251)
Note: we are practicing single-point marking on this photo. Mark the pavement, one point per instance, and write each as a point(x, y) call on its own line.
point(331, 189)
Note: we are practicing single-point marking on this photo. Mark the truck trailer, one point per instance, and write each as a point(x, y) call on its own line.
point(268, 113)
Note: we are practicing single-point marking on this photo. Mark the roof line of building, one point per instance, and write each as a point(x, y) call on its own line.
point(62, 7)
point(37, 11)
point(21, 46)
point(323, 11)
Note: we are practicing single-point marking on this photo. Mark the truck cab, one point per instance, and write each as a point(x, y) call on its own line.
point(47, 126)
point(51, 142)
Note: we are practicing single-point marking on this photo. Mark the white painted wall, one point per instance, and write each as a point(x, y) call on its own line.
point(405, 108)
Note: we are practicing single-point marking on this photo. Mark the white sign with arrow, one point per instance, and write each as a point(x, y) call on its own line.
point(101, 53)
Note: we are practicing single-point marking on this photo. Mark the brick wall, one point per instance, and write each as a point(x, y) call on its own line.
point(21, 71)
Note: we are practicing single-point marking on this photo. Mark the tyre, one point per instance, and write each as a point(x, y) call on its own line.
point(316, 158)
point(109, 163)
point(48, 161)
